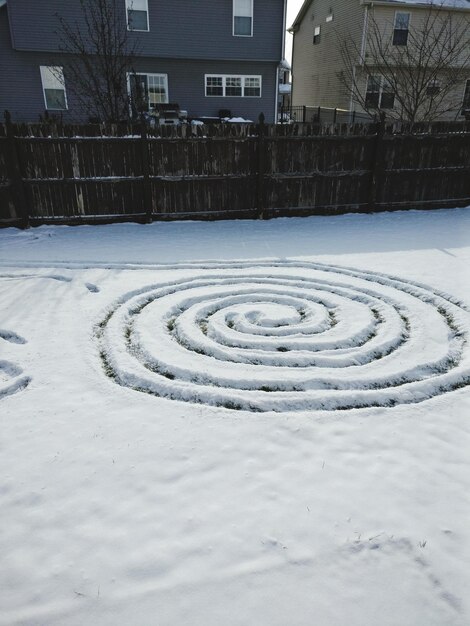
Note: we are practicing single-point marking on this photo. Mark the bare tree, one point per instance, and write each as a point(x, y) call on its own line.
point(413, 72)
point(99, 55)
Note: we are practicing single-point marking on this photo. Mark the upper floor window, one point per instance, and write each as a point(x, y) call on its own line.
point(433, 88)
point(401, 28)
point(243, 18)
point(233, 86)
point(53, 86)
point(316, 34)
point(379, 93)
point(137, 14)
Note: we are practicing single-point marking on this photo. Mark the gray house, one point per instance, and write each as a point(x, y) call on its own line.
point(207, 55)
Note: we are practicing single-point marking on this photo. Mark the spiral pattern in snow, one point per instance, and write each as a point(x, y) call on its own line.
point(287, 336)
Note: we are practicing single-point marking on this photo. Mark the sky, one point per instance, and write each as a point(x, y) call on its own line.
point(293, 7)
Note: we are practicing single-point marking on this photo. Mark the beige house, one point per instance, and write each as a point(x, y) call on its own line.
point(336, 63)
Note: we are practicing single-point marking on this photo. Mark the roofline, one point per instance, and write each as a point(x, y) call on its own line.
point(382, 3)
point(300, 16)
point(2, 3)
point(417, 5)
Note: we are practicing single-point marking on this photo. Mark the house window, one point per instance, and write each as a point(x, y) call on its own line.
point(148, 90)
point(233, 86)
point(433, 87)
point(329, 18)
point(243, 18)
point(137, 15)
point(316, 34)
point(466, 97)
point(401, 28)
point(53, 86)
point(379, 93)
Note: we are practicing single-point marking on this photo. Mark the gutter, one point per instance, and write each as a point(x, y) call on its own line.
point(416, 5)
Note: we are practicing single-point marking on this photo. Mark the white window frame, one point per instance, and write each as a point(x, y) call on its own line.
point(158, 74)
point(129, 7)
point(382, 90)
point(224, 78)
point(316, 35)
point(234, 15)
point(395, 25)
point(54, 73)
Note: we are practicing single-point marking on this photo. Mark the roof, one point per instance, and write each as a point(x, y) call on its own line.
point(300, 15)
point(448, 4)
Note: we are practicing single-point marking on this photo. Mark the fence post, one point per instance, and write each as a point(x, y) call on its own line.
point(304, 113)
point(377, 164)
point(15, 173)
point(261, 166)
point(145, 169)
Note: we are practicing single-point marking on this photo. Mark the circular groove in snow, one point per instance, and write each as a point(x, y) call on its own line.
point(287, 336)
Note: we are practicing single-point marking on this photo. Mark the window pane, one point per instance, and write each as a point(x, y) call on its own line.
point(214, 86)
point(139, 92)
point(242, 25)
point(52, 77)
point(55, 98)
point(372, 100)
point(233, 86)
point(387, 101)
point(402, 21)
point(242, 8)
point(137, 20)
point(137, 5)
point(400, 37)
point(252, 87)
point(373, 84)
point(156, 90)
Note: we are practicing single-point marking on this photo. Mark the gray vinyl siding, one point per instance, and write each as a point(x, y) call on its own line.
point(186, 86)
point(21, 89)
point(187, 40)
point(20, 79)
point(315, 67)
point(178, 29)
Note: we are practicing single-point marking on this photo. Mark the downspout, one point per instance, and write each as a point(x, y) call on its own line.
point(362, 55)
point(283, 49)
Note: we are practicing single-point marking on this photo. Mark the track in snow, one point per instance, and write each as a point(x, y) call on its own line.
point(287, 336)
point(11, 375)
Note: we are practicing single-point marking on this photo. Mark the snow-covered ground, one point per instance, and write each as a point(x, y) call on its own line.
point(237, 423)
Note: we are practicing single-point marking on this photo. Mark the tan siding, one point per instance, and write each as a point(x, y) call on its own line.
point(385, 18)
point(315, 67)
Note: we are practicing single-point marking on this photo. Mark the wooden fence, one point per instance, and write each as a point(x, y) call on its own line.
point(74, 174)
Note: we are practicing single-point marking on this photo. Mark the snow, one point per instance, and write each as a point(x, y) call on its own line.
point(180, 443)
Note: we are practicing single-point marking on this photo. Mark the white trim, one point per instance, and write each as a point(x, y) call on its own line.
point(276, 99)
point(365, 30)
point(52, 77)
point(233, 19)
point(129, 7)
point(241, 76)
